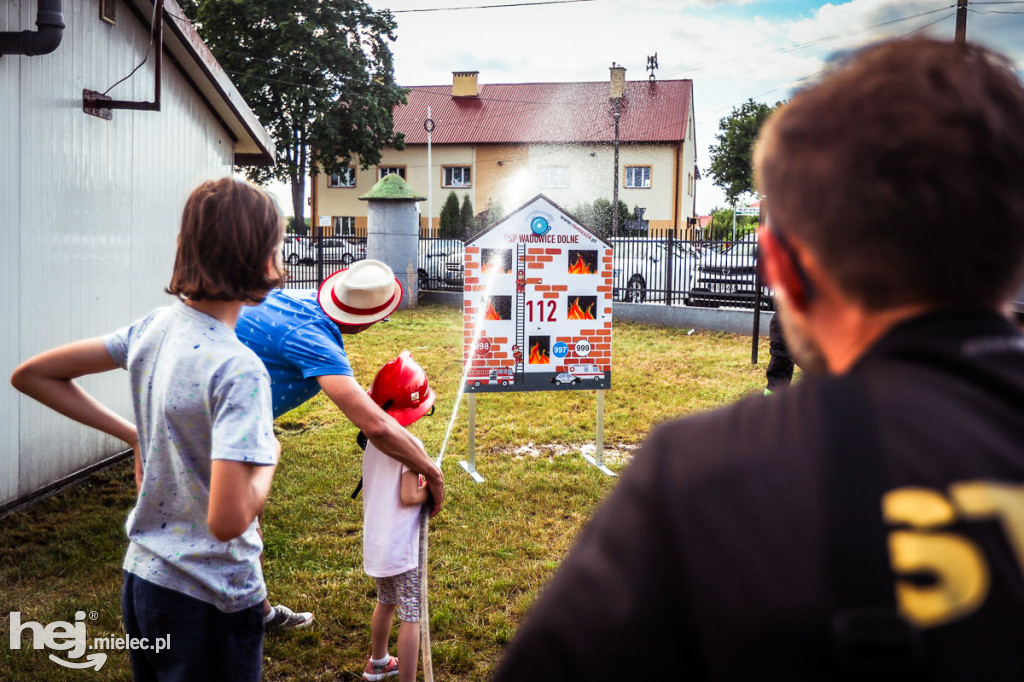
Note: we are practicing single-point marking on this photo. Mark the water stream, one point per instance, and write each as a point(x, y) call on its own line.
point(477, 331)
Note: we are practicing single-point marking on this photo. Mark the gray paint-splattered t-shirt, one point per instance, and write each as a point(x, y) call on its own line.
point(199, 395)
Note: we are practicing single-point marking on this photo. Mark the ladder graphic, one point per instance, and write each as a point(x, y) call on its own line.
point(520, 306)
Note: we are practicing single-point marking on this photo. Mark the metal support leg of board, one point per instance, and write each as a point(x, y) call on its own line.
point(469, 464)
point(598, 458)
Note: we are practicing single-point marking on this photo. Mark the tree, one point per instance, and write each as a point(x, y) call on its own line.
point(598, 217)
point(731, 164)
point(466, 217)
point(492, 214)
point(318, 74)
point(450, 216)
point(721, 224)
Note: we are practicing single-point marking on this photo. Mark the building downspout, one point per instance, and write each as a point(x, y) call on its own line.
point(50, 20)
point(675, 191)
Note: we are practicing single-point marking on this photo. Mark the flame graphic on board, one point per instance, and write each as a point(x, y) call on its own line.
point(579, 267)
point(491, 313)
point(578, 313)
point(538, 356)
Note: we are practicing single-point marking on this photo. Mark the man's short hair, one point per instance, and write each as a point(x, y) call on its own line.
point(903, 172)
point(229, 230)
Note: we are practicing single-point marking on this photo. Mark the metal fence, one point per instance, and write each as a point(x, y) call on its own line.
point(311, 259)
point(644, 270)
point(708, 274)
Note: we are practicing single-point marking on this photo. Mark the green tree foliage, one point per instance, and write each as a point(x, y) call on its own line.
point(597, 217)
point(450, 217)
point(318, 74)
point(494, 212)
point(731, 165)
point(466, 218)
point(721, 224)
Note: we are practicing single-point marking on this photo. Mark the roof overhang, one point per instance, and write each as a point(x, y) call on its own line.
point(253, 145)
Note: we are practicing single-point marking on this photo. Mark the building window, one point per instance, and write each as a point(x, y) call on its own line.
point(638, 176)
point(344, 226)
point(689, 184)
point(457, 176)
point(344, 178)
point(390, 170)
point(554, 176)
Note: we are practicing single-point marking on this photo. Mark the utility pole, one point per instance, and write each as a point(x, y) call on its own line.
point(961, 22)
point(428, 125)
point(618, 86)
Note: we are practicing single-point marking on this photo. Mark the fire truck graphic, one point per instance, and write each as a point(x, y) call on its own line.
point(482, 377)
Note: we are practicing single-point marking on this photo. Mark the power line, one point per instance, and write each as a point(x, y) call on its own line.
point(822, 70)
point(816, 41)
point(517, 4)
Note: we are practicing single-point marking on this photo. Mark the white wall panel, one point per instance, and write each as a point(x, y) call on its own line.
point(90, 212)
point(10, 174)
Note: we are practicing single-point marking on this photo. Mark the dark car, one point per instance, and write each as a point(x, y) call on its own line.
point(727, 278)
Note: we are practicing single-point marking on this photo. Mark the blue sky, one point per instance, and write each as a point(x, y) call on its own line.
point(732, 49)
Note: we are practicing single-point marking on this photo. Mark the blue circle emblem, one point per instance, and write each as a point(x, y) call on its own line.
point(540, 225)
point(560, 349)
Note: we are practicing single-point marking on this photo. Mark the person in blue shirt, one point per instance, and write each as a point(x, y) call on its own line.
point(299, 336)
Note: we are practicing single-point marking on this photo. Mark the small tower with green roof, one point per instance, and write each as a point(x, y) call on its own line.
point(393, 231)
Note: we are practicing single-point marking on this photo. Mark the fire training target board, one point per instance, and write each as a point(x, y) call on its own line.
point(538, 304)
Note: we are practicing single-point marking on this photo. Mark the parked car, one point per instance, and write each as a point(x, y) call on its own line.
point(296, 250)
point(640, 265)
point(440, 263)
point(728, 278)
point(344, 250)
point(333, 250)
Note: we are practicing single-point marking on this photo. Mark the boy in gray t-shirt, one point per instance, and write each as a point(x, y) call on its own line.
point(177, 355)
point(205, 450)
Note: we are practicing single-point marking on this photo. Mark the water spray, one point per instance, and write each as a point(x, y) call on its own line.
point(428, 663)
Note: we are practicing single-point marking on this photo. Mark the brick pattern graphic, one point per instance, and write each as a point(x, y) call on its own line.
point(549, 287)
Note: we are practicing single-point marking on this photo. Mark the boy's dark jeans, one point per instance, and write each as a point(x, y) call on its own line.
point(205, 643)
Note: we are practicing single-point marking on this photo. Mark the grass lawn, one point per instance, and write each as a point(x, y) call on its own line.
point(491, 550)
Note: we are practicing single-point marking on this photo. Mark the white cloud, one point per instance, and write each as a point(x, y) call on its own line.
point(732, 49)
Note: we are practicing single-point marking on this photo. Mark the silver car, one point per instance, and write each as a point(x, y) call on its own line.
point(640, 269)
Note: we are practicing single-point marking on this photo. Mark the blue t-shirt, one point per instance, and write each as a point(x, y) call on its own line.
point(296, 341)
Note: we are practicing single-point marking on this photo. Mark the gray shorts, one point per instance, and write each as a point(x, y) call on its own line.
point(402, 590)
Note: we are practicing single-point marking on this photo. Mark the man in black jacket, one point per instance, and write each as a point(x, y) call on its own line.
point(868, 522)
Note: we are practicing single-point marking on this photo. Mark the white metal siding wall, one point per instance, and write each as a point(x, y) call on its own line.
point(90, 212)
point(9, 216)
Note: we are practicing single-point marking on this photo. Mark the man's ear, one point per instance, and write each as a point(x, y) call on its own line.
point(782, 271)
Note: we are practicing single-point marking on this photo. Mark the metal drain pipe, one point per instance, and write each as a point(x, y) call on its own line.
point(50, 20)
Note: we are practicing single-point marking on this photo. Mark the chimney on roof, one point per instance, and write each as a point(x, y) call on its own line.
point(464, 84)
point(618, 80)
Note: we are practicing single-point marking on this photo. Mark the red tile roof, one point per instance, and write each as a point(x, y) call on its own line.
point(547, 112)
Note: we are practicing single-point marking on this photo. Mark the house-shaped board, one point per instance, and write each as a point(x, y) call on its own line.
point(537, 304)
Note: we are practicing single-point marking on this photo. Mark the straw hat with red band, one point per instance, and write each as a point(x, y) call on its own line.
point(364, 293)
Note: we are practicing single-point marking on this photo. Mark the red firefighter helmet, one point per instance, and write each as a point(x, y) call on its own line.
point(400, 389)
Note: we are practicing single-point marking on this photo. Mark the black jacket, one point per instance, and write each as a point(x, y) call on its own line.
point(709, 560)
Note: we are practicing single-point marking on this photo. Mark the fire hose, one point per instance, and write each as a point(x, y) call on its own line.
point(428, 663)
